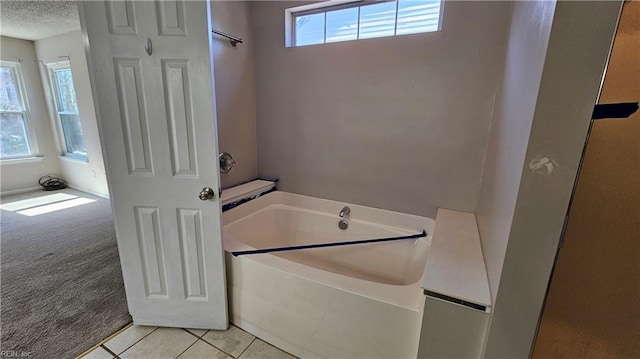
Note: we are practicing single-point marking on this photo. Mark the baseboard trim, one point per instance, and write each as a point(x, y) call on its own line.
point(81, 189)
point(20, 190)
point(36, 188)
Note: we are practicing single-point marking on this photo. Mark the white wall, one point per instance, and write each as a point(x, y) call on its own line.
point(86, 176)
point(578, 46)
point(601, 247)
point(18, 175)
point(235, 90)
point(399, 123)
point(510, 127)
point(450, 330)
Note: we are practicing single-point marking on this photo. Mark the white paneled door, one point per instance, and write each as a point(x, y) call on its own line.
point(152, 83)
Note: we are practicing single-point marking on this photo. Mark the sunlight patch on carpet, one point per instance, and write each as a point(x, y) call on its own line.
point(37, 201)
point(36, 211)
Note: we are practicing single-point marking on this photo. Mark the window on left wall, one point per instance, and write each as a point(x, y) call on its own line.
point(66, 105)
point(15, 138)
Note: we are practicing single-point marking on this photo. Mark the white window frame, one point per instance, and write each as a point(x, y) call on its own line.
point(331, 5)
point(62, 143)
point(16, 74)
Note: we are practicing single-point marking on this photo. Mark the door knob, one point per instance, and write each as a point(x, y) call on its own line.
point(206, 194)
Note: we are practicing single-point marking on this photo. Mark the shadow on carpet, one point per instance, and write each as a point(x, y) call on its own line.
point(62, 288)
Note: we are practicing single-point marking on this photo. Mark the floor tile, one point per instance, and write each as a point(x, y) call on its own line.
point(261, 350)
point(128, 337)
point(232, 341)
point(98, 353)
point(197, 332)
point(202, 349)
point(162, 343)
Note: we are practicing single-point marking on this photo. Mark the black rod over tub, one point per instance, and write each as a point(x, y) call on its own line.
point(332, 244)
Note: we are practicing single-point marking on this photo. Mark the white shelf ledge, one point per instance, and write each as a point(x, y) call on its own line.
point(455, 266)
point(245, 190)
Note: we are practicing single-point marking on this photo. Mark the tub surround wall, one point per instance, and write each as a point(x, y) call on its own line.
point(579, 44)
point(84, 176)
point(17, 175)
point(511, 124)
point(235, 90)
point(381, 122)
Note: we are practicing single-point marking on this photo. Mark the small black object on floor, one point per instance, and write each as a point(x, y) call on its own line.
point(51, 183)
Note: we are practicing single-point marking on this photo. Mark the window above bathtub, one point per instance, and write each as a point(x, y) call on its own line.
point(336, 21)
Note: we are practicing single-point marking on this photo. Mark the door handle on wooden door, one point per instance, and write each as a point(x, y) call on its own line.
point(207, 193)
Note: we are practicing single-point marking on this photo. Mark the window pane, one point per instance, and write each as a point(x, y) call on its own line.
point(73, 134)
point(377, 20)
point(418, 16)
point(310, 29)
point(13, 135)
point(66, 91)
point(9, 96)
point(342, 25)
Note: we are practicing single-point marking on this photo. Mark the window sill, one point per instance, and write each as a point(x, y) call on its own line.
point(21, 160)
point(74, 159)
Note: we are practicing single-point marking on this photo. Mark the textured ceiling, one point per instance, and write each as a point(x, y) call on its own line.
point(35, 20)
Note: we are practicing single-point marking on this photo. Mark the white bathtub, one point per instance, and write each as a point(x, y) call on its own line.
point(352, 301)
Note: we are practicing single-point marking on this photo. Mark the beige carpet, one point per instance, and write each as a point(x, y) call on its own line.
point(61, 283)
point(558, 340)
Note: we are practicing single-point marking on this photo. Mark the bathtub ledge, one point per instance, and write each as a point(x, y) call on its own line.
point(455, 269)
point(245, 190)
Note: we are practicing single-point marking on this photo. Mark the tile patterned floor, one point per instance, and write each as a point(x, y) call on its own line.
point(173, 343)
